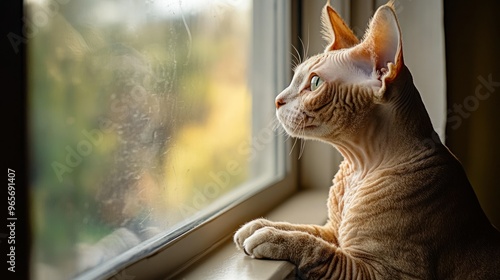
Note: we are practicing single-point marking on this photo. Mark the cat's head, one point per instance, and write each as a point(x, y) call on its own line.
point(335, 93)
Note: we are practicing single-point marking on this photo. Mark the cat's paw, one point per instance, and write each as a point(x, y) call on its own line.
point(247, 230)
point(266, 242)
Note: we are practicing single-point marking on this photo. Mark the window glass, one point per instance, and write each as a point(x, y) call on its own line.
point(141, 121)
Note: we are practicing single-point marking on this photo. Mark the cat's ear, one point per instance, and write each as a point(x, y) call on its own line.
point(382, 48)
point(335, 31)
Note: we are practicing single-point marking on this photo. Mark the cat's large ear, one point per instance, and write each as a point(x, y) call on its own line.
point(382, 48)
point(335, 31)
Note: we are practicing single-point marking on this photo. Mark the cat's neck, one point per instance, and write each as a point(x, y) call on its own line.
point(398, 132)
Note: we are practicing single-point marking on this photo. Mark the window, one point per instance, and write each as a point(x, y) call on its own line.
point(149, 122)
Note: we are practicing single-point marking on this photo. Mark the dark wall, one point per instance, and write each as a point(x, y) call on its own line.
point(472, 37)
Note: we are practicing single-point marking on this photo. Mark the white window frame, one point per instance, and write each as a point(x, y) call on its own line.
point(164, 256)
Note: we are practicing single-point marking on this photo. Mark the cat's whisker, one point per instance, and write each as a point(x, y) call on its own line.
point(302, 148)
point(279, 129)
point(293, 146)
point(305, 48)
point(276, 124)
point(282, 131)
point(306, 53)
point(296, 57)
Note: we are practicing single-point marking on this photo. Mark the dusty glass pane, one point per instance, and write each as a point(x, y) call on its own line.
point(140, 117)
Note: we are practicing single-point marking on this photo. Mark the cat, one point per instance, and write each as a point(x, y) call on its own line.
point(399, 208)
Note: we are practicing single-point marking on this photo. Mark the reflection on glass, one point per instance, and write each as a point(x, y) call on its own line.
point(140, 117)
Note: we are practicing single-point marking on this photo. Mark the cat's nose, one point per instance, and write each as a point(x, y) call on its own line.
point(279, 102)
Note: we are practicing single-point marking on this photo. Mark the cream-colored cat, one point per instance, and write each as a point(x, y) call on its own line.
point(399, 208)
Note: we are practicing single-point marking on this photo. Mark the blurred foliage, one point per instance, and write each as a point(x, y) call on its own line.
point(127, 121)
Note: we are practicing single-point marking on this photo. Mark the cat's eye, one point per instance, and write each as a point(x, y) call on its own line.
point(316, 81)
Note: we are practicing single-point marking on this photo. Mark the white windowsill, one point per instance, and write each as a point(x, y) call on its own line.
point(226, 262)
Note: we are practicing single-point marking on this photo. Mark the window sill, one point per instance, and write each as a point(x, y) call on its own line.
point(226, 262)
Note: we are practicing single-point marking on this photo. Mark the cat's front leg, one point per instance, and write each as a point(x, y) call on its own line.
point(312, 256)
point(272, 243)
point(325, 232)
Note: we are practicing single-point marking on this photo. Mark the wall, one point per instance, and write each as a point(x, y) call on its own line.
point(473, 78)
